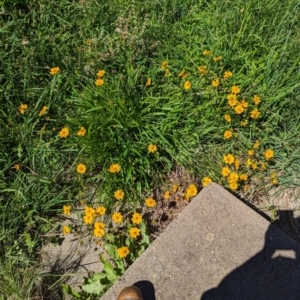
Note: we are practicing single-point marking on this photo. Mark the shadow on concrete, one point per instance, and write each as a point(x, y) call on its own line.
point(147, 289)
point(273, 273)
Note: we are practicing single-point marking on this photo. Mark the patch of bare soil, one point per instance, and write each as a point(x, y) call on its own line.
point(167, 208)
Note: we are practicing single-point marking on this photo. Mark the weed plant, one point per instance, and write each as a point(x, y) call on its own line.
point(100, 100)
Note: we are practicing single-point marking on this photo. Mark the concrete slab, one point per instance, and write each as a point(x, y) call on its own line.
point(217, 248)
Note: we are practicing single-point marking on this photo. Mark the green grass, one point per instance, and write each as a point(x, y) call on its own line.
point(257, 42)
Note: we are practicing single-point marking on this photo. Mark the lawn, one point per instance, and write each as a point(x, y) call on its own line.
point(102, 100)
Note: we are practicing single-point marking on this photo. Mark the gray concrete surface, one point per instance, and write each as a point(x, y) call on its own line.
point(217, 248)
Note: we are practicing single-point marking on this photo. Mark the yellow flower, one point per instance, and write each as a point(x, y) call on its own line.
point(81, 132)
point(233, 177)
point(217, 58)
point(255, 113)
point(66, 229)
point(152, 148)
point(64, 132)
point(117, 217)
point(81, 168)
point(67, 210)
point(237, 164)
point(215, 82)
point(239, 109)
point(225, 171)
point(148, 82)
point(244, 103)
point(167, 195)
point(273, 174)
point(249, 162)
point(23, 108)
point(99, 229)
point(43, 110)
point(269, 154)
point(191, 191)
point(206, 52)
point(244, 123)
point(99, 232)
point(99, 81)
point(187, 85)
point(229, 159)
point(119, 194)
point(134, 232)
point(88, 218)
point(244, 177)
point(256, 144)
point(227, 74)
point(54, 71)
point(174, 188)
point(167, 73)
point(150, 202)
point(256, 99)
point(99, 225)
point(114, 168)
point(254, 165)
point(100, 211)
point(275, 181)
point(181, 73)
point(251, 152)
point(123, 252)
point(233, 185)
point(101, 73)
point(164, 65)
point(232, 100)
point(235, 90)
point(136, 218)
point(227, 118)
point(206, 181)
point(202, 70)
point(89, 210)
point(227, 134)
point(16, 167)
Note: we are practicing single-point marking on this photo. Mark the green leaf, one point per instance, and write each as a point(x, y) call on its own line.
point(95, 287)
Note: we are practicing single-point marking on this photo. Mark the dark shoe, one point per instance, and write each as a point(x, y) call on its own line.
point(130, 293)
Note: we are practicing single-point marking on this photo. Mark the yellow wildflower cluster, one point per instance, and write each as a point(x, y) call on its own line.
point(136, 218)
point(202, 70)
point(134, 232)
point(81, 168)
point(67, 210)
point(114, 168)
point(148, 82)
point(150, 202)
point(119, 194)
point(64, 132)
point(187, 85)
point(123, 251)
point(43, 111)
point(23, 108)
point(66, 229)
point(191, 191)
point(54, 71)
point(81, 131)
point(100, 81)
point(117, 217)
point(152, 148)
point(206, 181)
point(99, 229)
